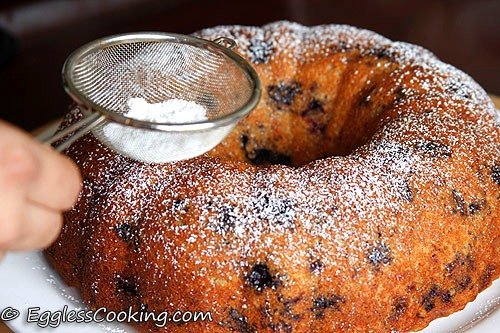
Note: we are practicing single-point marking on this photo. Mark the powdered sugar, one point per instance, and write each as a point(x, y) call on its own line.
point(174, 111)
point(382, 220)
point(157, 146)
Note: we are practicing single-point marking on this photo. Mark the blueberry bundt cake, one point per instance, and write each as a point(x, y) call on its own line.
point(361, 195)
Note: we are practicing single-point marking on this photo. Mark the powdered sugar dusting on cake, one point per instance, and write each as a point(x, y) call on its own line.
point(300, 43)
point(210, 221)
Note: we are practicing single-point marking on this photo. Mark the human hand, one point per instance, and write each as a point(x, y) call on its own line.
point(36, 186)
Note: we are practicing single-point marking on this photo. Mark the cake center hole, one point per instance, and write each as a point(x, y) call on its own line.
point(301, 120)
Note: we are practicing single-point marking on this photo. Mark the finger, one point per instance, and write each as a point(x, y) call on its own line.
point(18, 164)
point(55, 180)
point(58, 183)
point(40, 228)
point(12, 212)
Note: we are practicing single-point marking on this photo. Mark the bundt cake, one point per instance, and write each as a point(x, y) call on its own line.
point(361, 195)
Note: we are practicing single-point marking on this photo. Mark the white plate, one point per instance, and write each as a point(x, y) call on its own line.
point(26, 280)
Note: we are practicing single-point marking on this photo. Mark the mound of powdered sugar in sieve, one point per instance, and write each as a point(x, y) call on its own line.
point(156, 146)
point(176, 111)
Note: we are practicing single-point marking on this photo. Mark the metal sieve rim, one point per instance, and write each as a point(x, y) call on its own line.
point(81, 99)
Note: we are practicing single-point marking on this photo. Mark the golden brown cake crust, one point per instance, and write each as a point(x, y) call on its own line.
point(362, 195)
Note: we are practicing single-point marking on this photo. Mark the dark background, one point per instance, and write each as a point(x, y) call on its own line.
point(39, 35)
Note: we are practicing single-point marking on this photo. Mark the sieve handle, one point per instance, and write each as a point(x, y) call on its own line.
point(79, 129)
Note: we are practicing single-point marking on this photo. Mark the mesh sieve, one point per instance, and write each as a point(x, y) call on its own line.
point(104, 75)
